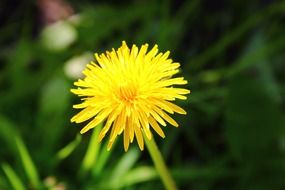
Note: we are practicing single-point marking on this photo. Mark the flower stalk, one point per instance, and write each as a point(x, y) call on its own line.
point(160, 165)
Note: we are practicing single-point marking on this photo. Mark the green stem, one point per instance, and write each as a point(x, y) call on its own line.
point(160, 166)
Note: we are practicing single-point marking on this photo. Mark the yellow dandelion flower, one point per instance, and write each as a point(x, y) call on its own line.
point(131, 90)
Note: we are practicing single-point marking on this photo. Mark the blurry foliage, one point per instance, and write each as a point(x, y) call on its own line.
point(232, 53)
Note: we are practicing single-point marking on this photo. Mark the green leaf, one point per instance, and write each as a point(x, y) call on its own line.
point(27, 163)
point(54, 103)
point(253, 119)
point(91, 155)
point(13, 178)
point(6, 131)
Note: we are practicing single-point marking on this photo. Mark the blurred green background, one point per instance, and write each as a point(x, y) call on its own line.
point(232, 54)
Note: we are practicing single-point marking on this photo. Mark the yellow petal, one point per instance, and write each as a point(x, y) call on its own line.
point(126, 138)
point(145, 125)
point(104, 130)
point(174, 107)
point(157, 118)
point(138, 132)
point(85, 114)
point(166, 117)
point(156, 127)
point(98, 119)
point(110, 144)
point(161, 104)
point(139, 137)
point(131, 128)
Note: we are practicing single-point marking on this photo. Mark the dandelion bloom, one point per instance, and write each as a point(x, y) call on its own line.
point(131, 90)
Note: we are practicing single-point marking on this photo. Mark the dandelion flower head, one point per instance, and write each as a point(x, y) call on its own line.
point(131, 91)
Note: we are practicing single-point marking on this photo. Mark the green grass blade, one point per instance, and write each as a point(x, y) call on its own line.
point(7, 129)
point(139, 175)
point(13, 178)
point(91, 155)
point(235, 34)
point(258, 54)
point(27, 163)
point(122, 167)
point(68, 149)
point(102, 159)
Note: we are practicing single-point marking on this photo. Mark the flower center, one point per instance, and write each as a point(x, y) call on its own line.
point(127, 93)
